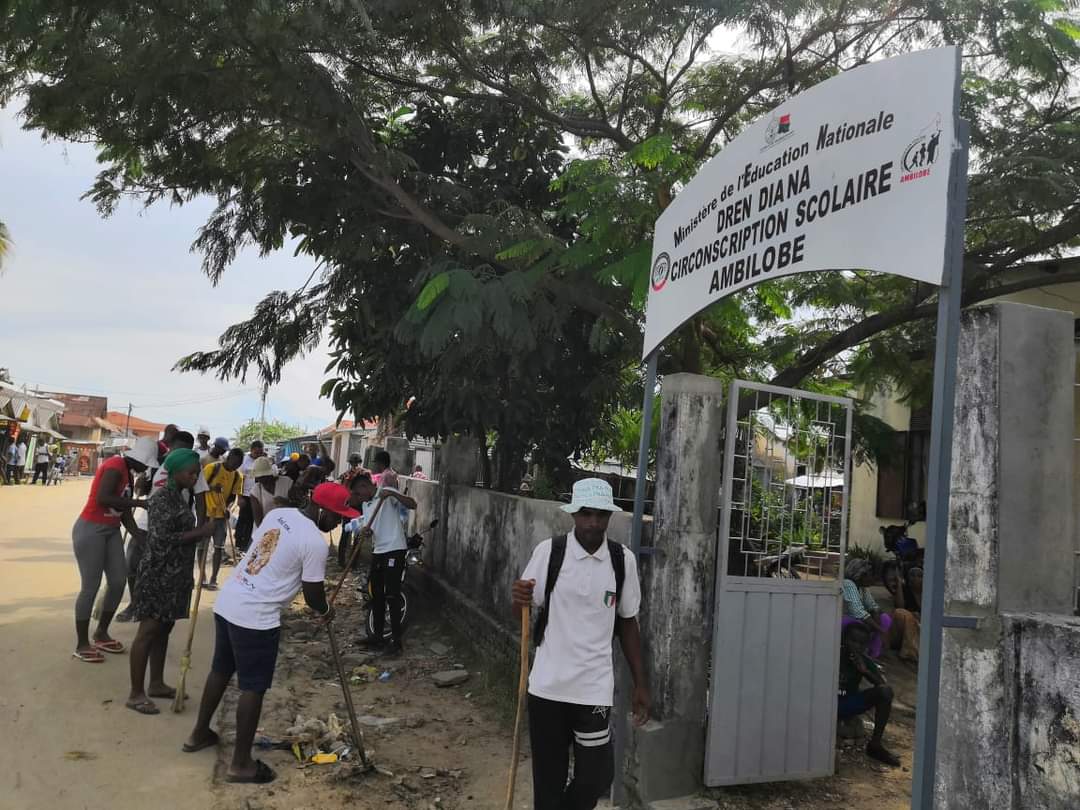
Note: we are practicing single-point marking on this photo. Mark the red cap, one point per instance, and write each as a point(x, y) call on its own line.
point(334, 497)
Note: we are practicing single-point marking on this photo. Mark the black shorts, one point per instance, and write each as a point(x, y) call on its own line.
point(251, 654)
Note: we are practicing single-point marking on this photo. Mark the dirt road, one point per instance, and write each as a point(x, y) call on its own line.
point(71, 742)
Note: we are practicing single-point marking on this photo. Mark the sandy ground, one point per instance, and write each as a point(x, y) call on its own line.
point(74, 745)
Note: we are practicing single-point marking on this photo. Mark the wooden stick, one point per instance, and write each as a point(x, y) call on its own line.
point(523, 679)
point(358, 735)
point(353, 553)
point(185, 658)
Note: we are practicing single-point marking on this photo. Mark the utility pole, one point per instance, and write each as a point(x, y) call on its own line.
point(262, 413)
point(127, 427)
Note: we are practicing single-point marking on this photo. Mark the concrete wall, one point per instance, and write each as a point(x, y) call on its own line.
point(482, 544)
point(1010, 689)
point(863, 522)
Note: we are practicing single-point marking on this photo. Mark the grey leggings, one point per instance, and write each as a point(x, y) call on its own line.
point(99, 549)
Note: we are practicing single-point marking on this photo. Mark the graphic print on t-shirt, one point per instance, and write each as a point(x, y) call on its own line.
point(263, 551)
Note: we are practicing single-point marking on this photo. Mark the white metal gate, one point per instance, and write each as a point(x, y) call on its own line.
point(776, 642)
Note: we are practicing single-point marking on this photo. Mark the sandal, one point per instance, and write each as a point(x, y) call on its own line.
point(110, 646)
point(89, 656)
point(263, 774)
point(209, 742)
point(143, 706)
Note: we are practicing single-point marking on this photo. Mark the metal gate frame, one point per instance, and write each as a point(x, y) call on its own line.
point(726, 583)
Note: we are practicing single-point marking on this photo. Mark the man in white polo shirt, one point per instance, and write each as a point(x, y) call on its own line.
point(587, 589)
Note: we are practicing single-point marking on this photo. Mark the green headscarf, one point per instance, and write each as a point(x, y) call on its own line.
point(178, 461)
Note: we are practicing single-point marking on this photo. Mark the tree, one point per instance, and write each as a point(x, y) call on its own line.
point(5, 245)
point(468, 257)
point(271, 432)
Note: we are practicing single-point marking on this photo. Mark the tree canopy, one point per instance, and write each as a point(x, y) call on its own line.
point(272, 431)
point(478, 180)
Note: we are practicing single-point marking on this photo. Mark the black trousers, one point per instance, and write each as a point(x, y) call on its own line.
point(245, 524)
point(43, 471)
point(553, 729)
point(386, 574)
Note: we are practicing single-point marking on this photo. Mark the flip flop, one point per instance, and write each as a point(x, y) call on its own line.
point(143, 707)
point(89, 656)
point(213, 740)
point(111, 646)
point(263, 774)
point(168, 694)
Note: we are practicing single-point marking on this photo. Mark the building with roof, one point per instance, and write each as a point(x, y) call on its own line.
point(133, 425)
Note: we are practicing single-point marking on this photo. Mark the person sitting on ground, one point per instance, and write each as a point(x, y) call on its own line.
point(226, 484)
point(269, 490)
point(386, 529)
point(855, 665)
point(99, 548)
point(904, 634)
point(165, 581)
point(287, 554)
point(859, 605)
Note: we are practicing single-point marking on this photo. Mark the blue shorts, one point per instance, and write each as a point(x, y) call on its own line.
point(852, 705)
point(251, 654)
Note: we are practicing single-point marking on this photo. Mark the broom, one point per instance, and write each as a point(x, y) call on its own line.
point(358, 735)
point(523, 678)
point(185, 659)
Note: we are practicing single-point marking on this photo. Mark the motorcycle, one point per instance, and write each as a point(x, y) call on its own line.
point(413, 557)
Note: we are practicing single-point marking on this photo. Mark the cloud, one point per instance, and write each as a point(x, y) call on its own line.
point(107, 306)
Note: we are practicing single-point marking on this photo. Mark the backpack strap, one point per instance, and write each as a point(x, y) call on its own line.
point(555, 561)
point(214, 473)
point(618, 562)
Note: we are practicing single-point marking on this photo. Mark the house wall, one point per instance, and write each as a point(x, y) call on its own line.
point(863, 522)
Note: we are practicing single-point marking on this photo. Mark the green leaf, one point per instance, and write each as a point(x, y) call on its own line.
point(435, 287)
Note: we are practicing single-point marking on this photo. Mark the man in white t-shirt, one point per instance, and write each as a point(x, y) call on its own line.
point(203, 446)
point(586, 599)
point(287, 555)
point(388, 549)
point(245, 520)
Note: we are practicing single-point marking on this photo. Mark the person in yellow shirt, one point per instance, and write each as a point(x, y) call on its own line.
point(226, 484)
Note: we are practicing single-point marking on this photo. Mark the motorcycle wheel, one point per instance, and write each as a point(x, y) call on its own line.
point(387, 633)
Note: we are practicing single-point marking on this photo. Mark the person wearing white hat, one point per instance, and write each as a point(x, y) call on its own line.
point(99, 548)
point(587, 590)
point(203, 446)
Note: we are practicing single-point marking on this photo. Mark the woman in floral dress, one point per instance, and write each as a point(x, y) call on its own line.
point(165, 580)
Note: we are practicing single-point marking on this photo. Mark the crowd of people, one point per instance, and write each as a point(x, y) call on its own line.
point(176, 497)
point(48, 465)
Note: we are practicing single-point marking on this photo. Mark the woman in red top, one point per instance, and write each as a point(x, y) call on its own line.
point(99, 549)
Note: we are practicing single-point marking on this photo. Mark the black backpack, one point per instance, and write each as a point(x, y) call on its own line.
point(555, 561)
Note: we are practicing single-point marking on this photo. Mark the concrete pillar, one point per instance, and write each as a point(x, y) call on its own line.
point(459, 464)
point(1010, 544)
point(666, 758)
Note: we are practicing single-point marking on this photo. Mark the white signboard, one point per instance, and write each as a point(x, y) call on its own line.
point(851, 174)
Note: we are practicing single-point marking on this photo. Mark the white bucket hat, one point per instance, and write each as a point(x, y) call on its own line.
point(592, 493)
point(145, 451)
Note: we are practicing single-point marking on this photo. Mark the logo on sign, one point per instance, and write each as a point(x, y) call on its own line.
point(922, 152)
point(660, 270)
point(779, 129)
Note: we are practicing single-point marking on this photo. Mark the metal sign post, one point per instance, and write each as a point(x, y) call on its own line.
point(643, 452)
point(940, 462)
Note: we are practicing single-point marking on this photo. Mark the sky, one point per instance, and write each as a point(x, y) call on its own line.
point(89, 304)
